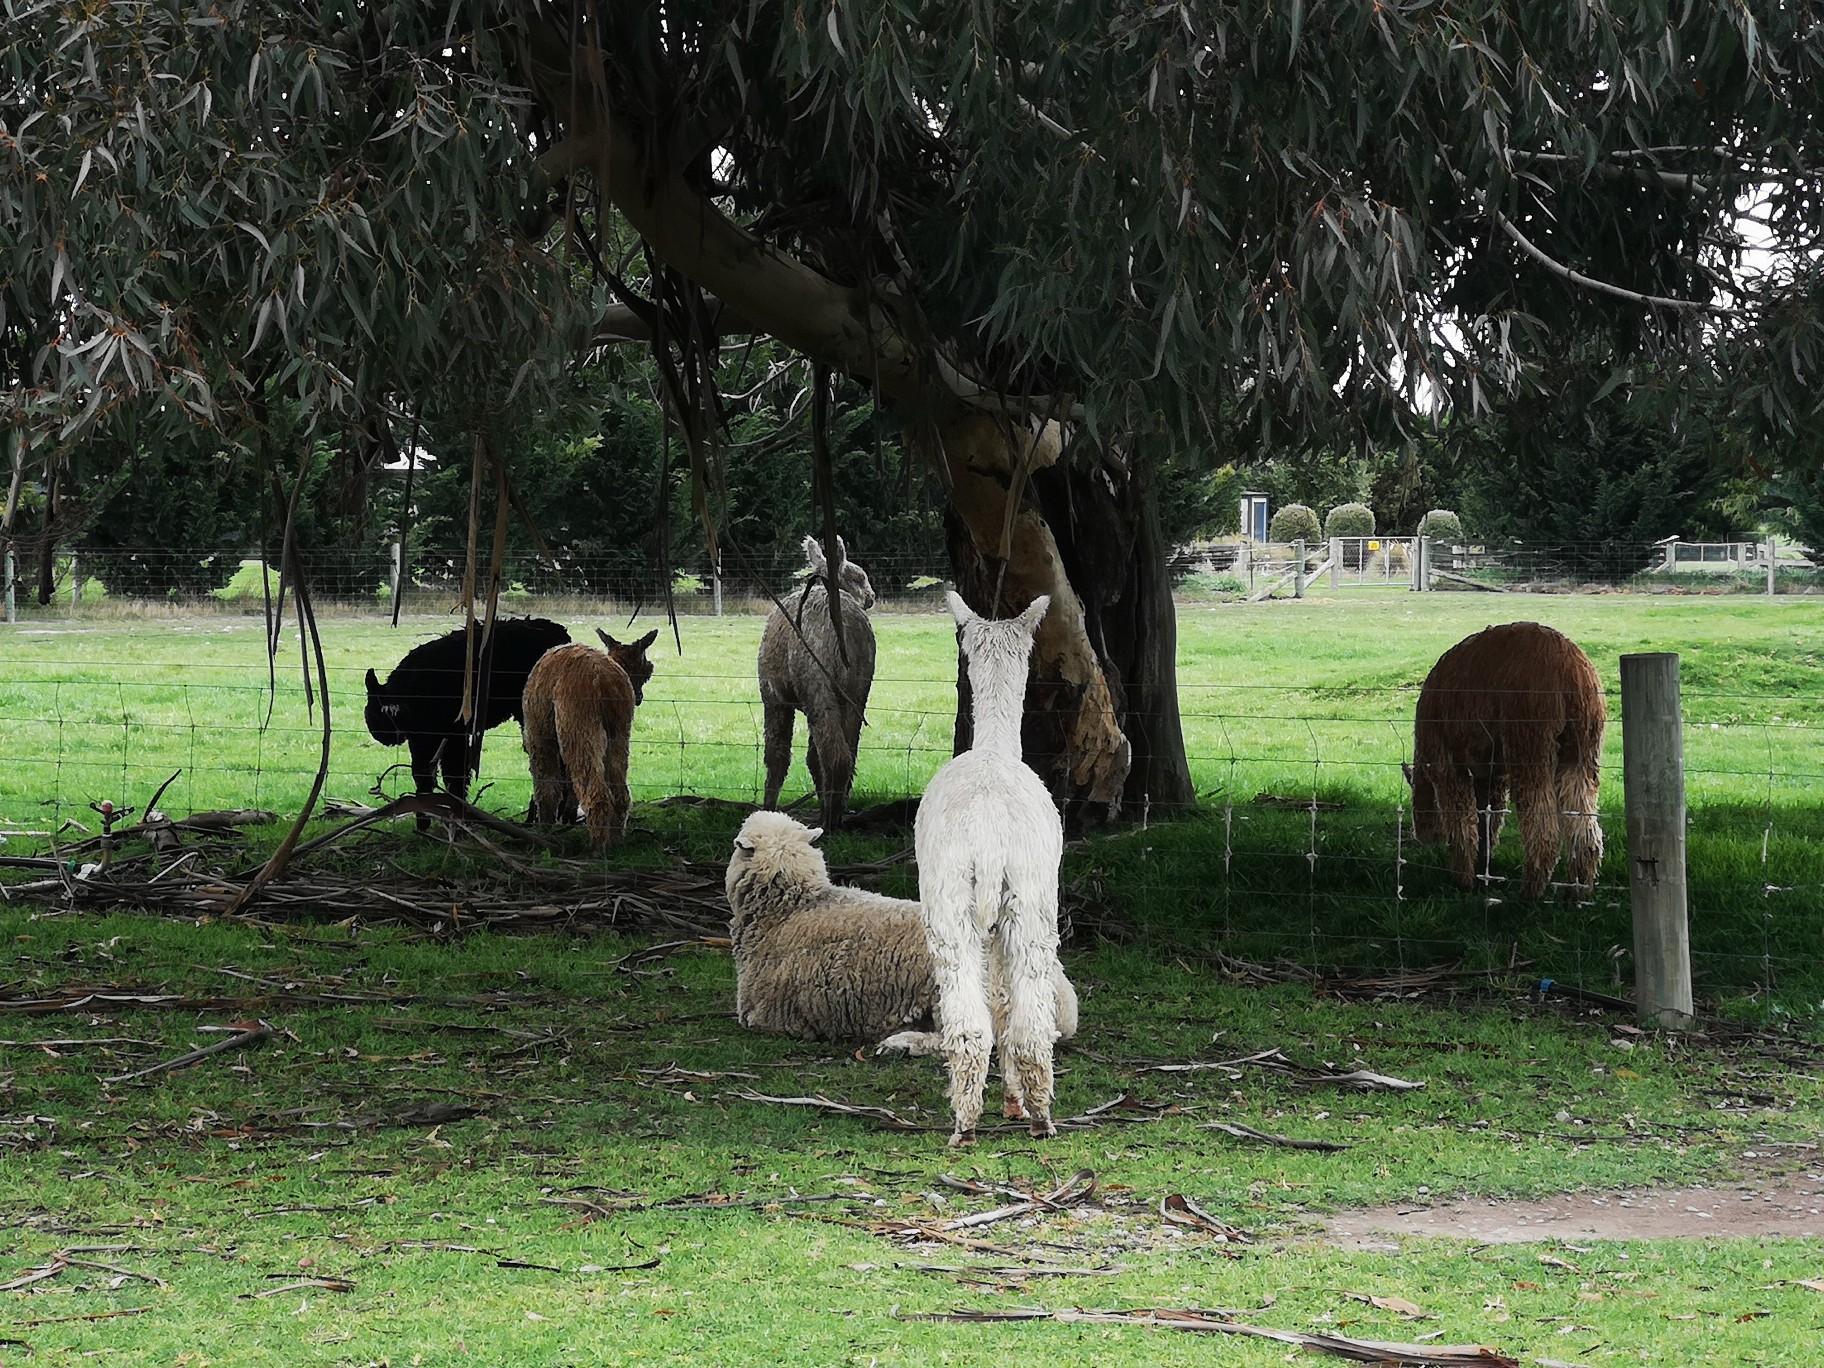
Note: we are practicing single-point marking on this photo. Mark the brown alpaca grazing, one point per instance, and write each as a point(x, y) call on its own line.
point(578, 723)
point(1516, 708)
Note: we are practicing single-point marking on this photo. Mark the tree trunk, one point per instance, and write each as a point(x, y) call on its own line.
point(1107, 527)
point(1101, 723)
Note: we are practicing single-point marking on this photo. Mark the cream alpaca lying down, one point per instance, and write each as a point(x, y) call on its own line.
point(822, 962)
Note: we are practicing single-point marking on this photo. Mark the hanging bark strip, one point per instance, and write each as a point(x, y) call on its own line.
point(405, 508)
point(282, 856)
point(823, 494)
point(477, 465)
point(1391, 1355)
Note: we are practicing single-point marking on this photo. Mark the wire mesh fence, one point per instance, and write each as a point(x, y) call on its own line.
point(1298, 848)
point(367, 579)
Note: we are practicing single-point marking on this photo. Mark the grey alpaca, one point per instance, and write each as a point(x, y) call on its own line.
point(803, 669)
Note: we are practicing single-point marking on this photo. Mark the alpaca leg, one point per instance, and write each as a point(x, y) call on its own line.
point(1026, 944)
point(553, 803)
point(1457, 816)
point(776, 726)
point(835, 770)
point(1536, 806)
point(620, 798)
point(1013, 1107)
point(1577, 789)
point(958, 964)
point(424, 772)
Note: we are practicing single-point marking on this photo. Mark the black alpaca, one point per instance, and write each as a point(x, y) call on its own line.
point(420, 703)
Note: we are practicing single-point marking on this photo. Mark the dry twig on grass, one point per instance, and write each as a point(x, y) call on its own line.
point(1361, 1351)
point(1241, 1132)
point(1279, 1061)
point(245, 1033)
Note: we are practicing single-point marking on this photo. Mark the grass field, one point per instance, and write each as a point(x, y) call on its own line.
point(1287, 701)
point(553, 1149)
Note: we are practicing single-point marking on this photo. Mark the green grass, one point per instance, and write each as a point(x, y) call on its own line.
point(598, 1081)
point(273, 1165)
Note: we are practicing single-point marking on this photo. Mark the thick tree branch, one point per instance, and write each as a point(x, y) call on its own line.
point(1673, 180)
point(1576, 277)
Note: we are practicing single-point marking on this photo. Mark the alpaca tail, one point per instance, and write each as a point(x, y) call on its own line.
point(583, 742)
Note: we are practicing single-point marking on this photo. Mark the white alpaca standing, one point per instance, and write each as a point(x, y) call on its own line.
point(989, 843)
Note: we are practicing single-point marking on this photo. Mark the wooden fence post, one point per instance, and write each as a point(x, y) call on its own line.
point(1773, 559)
point(1298, 568)
point(1653, 774)
point(1336, 564)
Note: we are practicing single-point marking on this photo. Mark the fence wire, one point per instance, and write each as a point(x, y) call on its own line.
point(1297, 849)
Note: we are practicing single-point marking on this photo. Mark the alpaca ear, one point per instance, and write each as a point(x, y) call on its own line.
point(646, 641)
point(811, 835)
point(373, 683)
point(608, 642)
point(842, 550)
point(1035, 613)
point(744, 843)
point(959, 610)
point(813, 553)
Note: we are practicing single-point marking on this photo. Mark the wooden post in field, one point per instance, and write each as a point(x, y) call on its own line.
point(1298, 568)
point(12, 613)
point(1653, 774)
point(1336, 565)
point(1773, 557)
point(75, 584)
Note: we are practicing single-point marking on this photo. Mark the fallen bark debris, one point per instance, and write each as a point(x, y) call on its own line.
point(1080, 1187)
point(1279, 1061)
point(322, 1284)
point(65, 1259)
point(1391, 1355)
point(879, 1115)
point(245, 1033)
point(1177, 1209)
point(90, 1316)
point(1013, 1273)
point(1241, 1132)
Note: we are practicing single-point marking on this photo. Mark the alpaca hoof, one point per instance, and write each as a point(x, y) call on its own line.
point(1041, 1128)
point(1012, 1109)
point(962, 1139)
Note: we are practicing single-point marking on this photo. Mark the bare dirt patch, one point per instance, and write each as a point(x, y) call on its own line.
point(1780, 1205)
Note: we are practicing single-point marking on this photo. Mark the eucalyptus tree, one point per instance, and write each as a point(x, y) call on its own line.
point(1054, 239)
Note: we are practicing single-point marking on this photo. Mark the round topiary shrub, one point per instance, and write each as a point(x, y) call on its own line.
point(1441, 525)
point(1352, 521)
point(1294, 522)
point(1349, 520)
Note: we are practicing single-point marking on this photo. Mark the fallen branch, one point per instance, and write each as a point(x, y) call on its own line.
point(880, 1115)
point(1241, 1132)
point(1177, 1209)
point(90, 1316)
point(1362, 1351)
point(244, 1034)
point(1277, 1060)
point(1079, 1187)
point(324, 1284)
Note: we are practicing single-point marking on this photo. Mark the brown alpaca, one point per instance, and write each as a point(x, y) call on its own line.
point(578, 722)
point(1516, 707)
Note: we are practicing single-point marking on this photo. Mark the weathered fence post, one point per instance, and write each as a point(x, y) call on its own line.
point(1653, 776)
point(1298, 568)
point(396, 561)
point(12, 614)
point(1671, 562)
point(75, 584)
point(1336, 565)
point(1421, 564)
point(1773, 559)
point(715, 580)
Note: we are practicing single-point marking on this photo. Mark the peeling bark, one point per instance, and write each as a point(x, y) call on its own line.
point(1004, 556)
